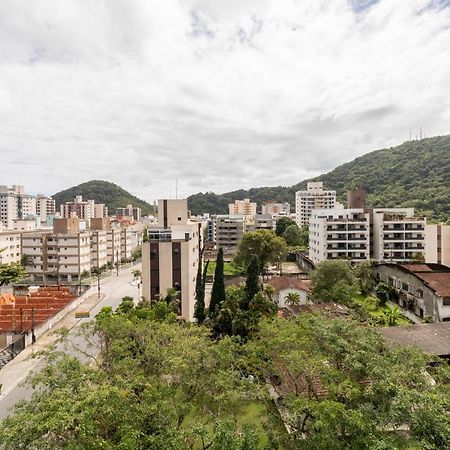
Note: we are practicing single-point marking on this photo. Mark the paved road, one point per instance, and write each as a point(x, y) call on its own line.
point(113, 289)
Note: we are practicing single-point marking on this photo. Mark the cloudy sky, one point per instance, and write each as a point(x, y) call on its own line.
point(220, 94)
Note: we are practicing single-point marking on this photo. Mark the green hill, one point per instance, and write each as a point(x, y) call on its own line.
point(415, 173)
point(110, 194)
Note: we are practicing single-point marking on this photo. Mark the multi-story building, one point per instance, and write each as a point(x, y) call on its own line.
point(130, 211)
point(315, 197)
point(170, 256)
point(45, 207)
point(15, 204)
point(437, 244)
point(229, 230)
point(59, 255)
point(276, 209)
point(83, 209)
point(245, 207)
point(10, 249)
point(260, 222)
point(339, 233)
point(393, 234)
point(398, 234)
point(99, 254)
point(420, 290)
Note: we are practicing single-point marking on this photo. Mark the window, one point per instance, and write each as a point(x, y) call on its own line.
point(446, 301)
point(405, 286)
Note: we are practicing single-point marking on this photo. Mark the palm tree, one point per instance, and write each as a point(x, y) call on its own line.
point(292, 299)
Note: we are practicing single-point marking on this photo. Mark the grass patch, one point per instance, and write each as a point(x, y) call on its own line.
point(375, 310)
point(229, 268)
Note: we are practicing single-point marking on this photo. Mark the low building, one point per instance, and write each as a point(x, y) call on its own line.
point(59, 255)
point(10, 247)
point(284, 285)
point(437, 244)
point(420, 290)
point(339, 233)
point(170, 256)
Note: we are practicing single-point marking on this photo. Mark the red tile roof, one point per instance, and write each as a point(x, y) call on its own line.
point(285, 282)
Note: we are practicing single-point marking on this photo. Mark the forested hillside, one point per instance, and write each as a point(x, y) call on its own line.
point(110, 194)
point(415, 173)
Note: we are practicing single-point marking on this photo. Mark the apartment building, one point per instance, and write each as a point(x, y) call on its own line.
point(83, 209)
point(170, 256)
point(398, 234)
point(15, 204)
point(10, 249)
point(315, 197)
point(437, 244)
point(45, 207)
point(245, 207)
point(339, 233)
point(260, 222)
point(62, 254)
point(229, 230)
point(390, 234)
point(276, 209)
point(130, 211)
point(99, 253)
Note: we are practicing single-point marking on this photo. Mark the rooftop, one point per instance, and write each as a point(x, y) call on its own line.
point(431, 338)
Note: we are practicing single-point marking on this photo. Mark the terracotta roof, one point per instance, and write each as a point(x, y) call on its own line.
point(284, 282)
point(431, 337)
point(438, 281)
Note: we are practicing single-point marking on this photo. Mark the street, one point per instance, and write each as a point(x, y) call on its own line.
point(113, 289)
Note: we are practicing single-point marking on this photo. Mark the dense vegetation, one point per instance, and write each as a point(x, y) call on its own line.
point(414, 173)
point(110, 194)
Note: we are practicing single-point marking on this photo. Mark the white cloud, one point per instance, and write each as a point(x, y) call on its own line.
point(220, 94)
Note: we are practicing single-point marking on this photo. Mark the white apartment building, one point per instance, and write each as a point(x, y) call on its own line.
point(170, 256)
point(244, 207)
point(398, 234)
point(276, 209)
point(381, 234)
point(45, 207)
point(10, 249)
point(437, 244)
point(15, 204)
point(130, 211)
point(83, 209)
point(315, 197)
point(60, 255)
point(339, 233)
point(99, 252)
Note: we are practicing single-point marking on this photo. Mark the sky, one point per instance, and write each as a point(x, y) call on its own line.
point(216, 94)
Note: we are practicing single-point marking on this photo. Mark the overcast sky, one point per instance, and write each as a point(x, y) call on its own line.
point(221, 94)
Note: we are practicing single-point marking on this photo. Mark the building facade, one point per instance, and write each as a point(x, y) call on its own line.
point(419, 289)
point(339, 233)
point(45, 207)
point(170, 256)
point(229, 231)
point(130, 211)
point(315, 197)
point(83, 209)
point(437, 244)
point(10, 247)
point(276, 209)
point(245, 207)
point(15, 204)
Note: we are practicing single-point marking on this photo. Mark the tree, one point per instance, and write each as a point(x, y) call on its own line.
point(252, 284)
point(11, 273)
point(292, 235)
point(265, 245)
point(363, 272)
point(282, 224)
point(156, 384)
point(418, 258)
point(292, 299)
point(200, 282)
point(334, 281)
point(136, 274)
point(392, 316)
point(218, 287)
point(341, 386)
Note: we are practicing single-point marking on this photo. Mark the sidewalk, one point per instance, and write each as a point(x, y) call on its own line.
point(17, 369)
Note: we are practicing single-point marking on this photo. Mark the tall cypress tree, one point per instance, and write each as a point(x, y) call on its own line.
point(218, 288)
point(252, 286)
point(199, 310)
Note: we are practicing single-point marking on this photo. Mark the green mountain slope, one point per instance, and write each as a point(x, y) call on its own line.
point(415, 173)
point(110, 194)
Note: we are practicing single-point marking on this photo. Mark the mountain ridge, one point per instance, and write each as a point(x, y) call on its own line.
point(412, 174)
point(112, 195)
